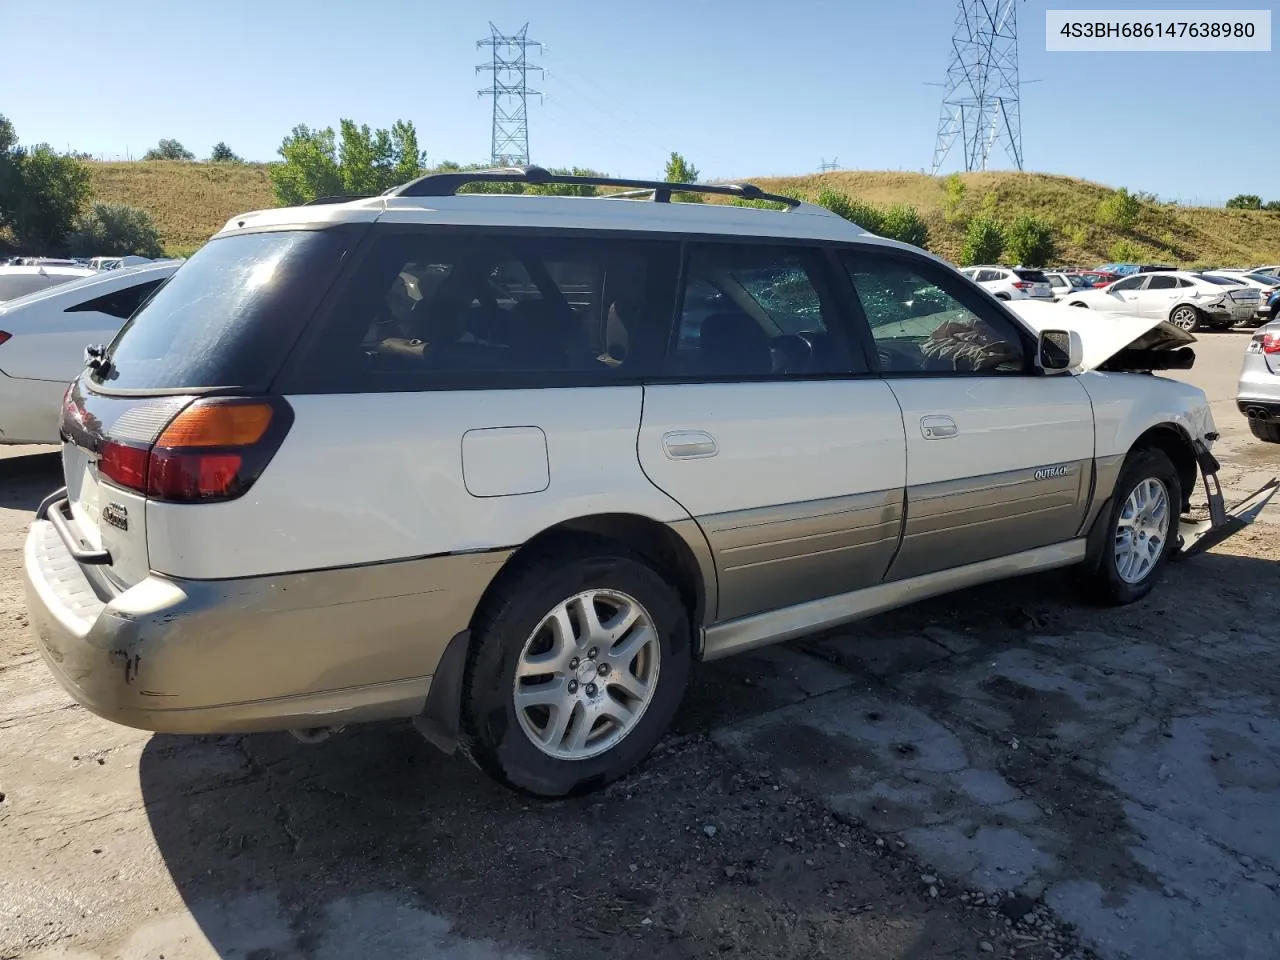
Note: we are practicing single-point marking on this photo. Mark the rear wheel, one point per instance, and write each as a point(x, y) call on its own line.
point(1002, 296)
point(576, 668)
point(1187, 317)
point(1141, 529)
point(1264, 430)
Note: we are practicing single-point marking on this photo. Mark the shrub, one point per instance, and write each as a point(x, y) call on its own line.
point(680, 170)
point(168, 150)
point(1272, 205)
point(1124, 251)
point(1120, 209)
point(1029, 241)
point(116, 230)
point(221, 153)
point(865, 215)
point(901, 222)
point(983, 242)
point(1245, 201)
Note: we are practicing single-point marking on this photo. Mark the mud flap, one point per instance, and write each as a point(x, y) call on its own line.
point(1200, 536)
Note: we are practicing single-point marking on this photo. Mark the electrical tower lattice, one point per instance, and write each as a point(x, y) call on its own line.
point(981, 103)
point(510, 91)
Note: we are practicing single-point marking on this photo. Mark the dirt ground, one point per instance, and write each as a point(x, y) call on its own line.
point(1001, 772)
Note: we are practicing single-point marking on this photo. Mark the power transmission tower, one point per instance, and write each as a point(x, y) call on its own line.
point(981, 102)
point(510, 68)
point(825, 165)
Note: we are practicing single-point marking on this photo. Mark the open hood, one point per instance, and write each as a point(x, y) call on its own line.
point(1113, 342)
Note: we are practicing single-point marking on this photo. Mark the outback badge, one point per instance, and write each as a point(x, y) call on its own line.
point(1048, 473)
point(116, 515)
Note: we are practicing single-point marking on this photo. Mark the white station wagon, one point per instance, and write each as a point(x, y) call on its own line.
point(507, 465)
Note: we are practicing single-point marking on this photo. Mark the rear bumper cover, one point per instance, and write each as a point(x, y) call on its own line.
point(264, 653)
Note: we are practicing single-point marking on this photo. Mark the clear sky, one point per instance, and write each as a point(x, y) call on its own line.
point(741, 87)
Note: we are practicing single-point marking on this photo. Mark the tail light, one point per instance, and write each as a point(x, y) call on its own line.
point(1022, 285)
point(213, 450)
point(5, 336)
point(1270, 343)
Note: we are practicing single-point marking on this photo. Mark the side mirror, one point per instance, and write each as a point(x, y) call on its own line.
point(1059, 351)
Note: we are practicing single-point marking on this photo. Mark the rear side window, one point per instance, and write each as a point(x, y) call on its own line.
point(228, 316)
point(1162, 282)
point(430, 309)
point(120, 304)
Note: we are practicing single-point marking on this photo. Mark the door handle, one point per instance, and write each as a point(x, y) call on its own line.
point(938, 427)
point(689, 444)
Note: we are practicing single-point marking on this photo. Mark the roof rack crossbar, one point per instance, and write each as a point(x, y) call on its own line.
point(448, 184)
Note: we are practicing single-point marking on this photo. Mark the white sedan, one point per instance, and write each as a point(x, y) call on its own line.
point(43, 336)
point(1187, 300)
point(18, 281)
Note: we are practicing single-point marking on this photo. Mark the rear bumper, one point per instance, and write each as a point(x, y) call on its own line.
point(1265, 410)
point(265, 653)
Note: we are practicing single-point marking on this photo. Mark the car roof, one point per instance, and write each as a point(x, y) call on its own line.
point(806, 221)
point(49, 269)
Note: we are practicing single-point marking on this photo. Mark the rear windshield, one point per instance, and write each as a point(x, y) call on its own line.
point(1220, 281)
point(1032, 276)
point(17, 285)
point(228, 316)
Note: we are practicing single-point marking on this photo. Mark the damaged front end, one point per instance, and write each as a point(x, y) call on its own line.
point(1223, 522)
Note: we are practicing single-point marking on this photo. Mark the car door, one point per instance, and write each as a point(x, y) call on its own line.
point(769, 429)
point(1121, 296)
point(999, 456)
point(1157, 297)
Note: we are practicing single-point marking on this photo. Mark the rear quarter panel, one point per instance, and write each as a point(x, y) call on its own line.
point(368, 478)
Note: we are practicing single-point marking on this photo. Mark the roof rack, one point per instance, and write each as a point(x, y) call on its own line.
point(448, 184)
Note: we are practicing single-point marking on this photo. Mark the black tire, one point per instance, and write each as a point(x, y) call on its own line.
point(1187, 317)
point(496, 741)
point(1082, 306)
point(1100, 574)
point(1265, 430)
point(1002, 296)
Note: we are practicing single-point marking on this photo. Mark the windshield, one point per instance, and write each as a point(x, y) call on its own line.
point(14, 286)
point(1219, 280)
point(228, 316)
point(1265, 278)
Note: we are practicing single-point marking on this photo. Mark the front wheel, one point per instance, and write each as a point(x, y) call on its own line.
point(1141, 530)
point(1187, 317)
point(1263, 430)
point(575, 670)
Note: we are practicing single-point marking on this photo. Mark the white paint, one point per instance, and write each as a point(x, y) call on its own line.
point(505, 461)
point(779, 442)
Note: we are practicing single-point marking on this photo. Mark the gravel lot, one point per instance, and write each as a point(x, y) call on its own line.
point(1002, 772)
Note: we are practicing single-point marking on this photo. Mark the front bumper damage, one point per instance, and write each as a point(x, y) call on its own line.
point(1199, 536)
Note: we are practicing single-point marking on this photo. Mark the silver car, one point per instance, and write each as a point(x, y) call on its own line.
point(1258, 395)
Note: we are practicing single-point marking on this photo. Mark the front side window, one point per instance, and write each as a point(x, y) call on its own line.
point(923, 323)
point(750, 311)
point(1132, 283)
point(428, 310)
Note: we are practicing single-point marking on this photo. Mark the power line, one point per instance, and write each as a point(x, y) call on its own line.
point(510, 69)
point(981, 105)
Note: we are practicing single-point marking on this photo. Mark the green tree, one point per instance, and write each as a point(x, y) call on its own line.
point(409, 160)
point(1273, 205)
point(221, 153)
point(868, 217)
point(902, 222)
point(1245, 201)
point(953, 205)
point(309, 169)
point(680, 170)
point(1029, 241)
point(114, 229)
point(983, 242)
point(169, 150)
point(51, 190)
point(1124, 251)
point(10, 177)
point(1119, 209)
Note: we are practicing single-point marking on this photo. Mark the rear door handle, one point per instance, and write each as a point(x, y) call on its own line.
point(938, 427)
point(689, 444)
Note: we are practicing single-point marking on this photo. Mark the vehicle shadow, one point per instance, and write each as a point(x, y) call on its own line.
point(27, 479)
point(372, 844)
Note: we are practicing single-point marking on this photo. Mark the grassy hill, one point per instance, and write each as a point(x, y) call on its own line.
point(190, 201)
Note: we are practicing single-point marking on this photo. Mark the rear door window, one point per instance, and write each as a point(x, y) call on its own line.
point(229, 316)
point(432, 309)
